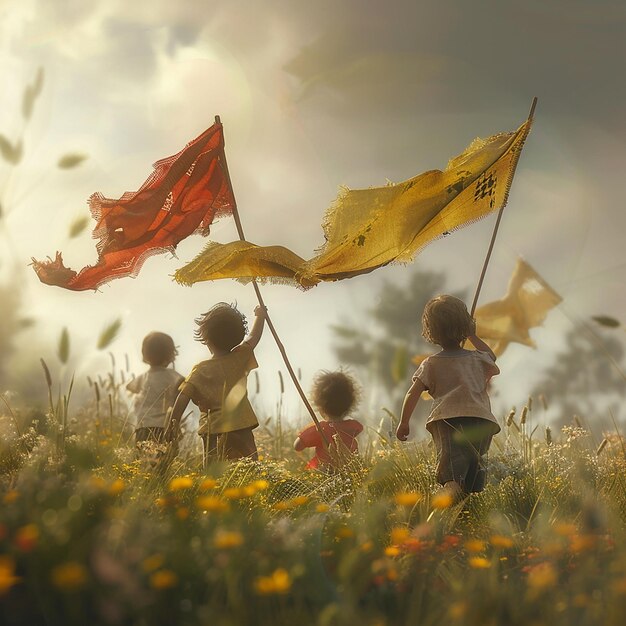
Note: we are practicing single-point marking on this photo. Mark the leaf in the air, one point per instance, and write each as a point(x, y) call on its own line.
point(63, 351)
point(31, 92)
point(109, 334)
point(78, 226)
point(71, 160)
point(10, 153)
point(605, 320)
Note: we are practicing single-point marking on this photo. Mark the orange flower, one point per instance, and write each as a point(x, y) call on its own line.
point(163, 579)
point(116, 487)
point(224, 539)
point(152, 563)
point(207, 484)
point(479, 562)
point(26, 537)
point(7, 574)
point(180, 483)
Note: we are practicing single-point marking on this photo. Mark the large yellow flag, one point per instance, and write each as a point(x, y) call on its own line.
point(368, 228)
point(527, 302)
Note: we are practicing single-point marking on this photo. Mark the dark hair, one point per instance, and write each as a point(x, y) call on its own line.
point(335, 393)
point(158, 349)
point(222, 326)
point(446, 320)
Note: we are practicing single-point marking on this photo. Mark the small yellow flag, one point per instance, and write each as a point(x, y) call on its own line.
point(526, 304)
point(369, 228)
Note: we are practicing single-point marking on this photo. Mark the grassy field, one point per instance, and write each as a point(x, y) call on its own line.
point(93, 533)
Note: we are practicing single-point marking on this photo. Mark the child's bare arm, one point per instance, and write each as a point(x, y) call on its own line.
point(257, 328)
point(408, 406)
point(480, 345)
point(298, 445)
point(177, 413)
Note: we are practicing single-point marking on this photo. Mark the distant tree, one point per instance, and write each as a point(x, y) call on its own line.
point(582, 380)
point(382, 346)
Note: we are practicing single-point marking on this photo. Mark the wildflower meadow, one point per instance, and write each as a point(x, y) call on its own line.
point(94, 531)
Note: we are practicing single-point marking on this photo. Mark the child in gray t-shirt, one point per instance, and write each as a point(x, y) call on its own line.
point(461, 422)
point(154, 391)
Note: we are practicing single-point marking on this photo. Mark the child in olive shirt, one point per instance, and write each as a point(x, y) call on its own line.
point(218, 386)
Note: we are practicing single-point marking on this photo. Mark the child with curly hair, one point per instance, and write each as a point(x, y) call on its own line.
point(218, 386)
point(154, 391)
point(336, 395)
point(460, 422)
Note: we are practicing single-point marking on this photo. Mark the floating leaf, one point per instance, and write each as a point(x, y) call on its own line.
point(605, 320)
point(26, 322)
point(11, 153)
point(31, 93)
point(70, 160)
point(63, 351)
point(78, 226)
point(109, 334)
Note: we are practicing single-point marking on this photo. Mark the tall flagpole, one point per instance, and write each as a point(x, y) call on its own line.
point(495, 228)
point(281, 347)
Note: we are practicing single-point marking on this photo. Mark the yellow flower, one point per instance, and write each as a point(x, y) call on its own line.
point(542, 576)
point(70, 576)
point(260, 485)
point(564, 529)
point(180, 483)
point(26, 537)
point(407, 498)
point(475, 545)
point(212, 503)
point(501, 542)
point(10, 496)
point(300, 500)
point(116, 487)
point(399, 534)
point(248, 490)
point(479, 562)
point(152, 563)
point(442, 500)
point(279, 582)
point(233, 493)
point(7, 574)
point(225, 539)
point(392, 551)
point(367, 546)
point(163, 579)
point(207, 484)
point(285, 505)
point(343, 532)
point(322, 508)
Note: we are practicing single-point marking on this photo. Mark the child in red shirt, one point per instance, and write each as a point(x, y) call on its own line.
point(335, 395)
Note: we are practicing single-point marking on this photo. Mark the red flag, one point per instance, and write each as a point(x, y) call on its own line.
point(184, 194)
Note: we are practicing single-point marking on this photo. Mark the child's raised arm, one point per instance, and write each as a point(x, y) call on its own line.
point(481, 346)
point(257, 328)
point(408, 406)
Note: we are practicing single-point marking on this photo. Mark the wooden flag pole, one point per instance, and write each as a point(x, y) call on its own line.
point(281, 347)
point(495, 230)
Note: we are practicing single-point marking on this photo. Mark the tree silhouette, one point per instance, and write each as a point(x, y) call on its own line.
point(382, 347)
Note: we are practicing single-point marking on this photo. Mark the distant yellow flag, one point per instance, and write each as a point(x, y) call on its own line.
point(368, 228)
point(527, 302)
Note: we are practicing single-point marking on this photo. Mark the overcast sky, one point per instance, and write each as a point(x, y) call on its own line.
point(314, 95)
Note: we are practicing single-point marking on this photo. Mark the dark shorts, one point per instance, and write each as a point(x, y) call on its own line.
point(237, 444)
point(461, 443)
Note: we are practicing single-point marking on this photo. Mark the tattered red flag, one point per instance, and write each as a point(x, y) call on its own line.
point(184, 194)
